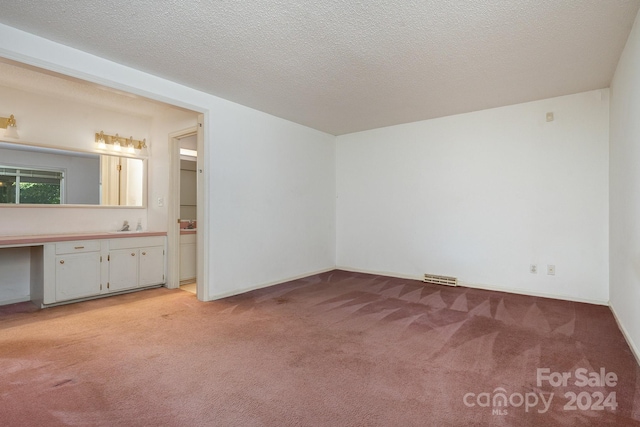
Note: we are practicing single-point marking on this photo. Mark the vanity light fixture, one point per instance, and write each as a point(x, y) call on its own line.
point(116, 143)
point(9, 124)
point(141, 148)
point(120, 144)
point(100, 141)
point(130, 147)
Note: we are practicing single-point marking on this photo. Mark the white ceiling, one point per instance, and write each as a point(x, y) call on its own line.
point(348, 65)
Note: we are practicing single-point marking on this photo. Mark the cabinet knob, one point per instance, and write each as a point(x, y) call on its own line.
point(133, 254)
point(144, 253)
point(61, 261)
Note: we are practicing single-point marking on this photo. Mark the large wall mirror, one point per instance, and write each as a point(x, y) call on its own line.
point(31, 175)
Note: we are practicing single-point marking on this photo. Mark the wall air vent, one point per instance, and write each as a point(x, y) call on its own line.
point(440, 280)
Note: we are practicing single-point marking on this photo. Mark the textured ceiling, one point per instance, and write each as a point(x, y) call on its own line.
point(347, 65)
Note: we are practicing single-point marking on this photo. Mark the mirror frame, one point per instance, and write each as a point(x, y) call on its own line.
point(4, 143)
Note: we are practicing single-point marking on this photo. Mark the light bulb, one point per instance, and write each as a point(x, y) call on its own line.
point(11, 132)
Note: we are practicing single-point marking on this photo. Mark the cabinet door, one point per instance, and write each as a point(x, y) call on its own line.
point(77, 275)
point(187, 261)
point(151, 266)
point(123, 269)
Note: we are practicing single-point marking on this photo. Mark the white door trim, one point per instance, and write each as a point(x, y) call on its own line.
point(202, 211)
point(173, 228)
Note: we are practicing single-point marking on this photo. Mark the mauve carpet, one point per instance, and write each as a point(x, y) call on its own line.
point(335, 349)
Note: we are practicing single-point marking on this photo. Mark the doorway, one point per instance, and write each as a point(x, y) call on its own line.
point(188, 212)
point(185, 229)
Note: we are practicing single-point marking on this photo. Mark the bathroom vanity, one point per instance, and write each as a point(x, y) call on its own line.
point(188, 255)
point(188, 252)
point(74, 267)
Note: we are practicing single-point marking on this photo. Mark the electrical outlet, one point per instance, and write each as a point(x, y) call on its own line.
point(160, 202)
point(533, 268)
point(551, 270)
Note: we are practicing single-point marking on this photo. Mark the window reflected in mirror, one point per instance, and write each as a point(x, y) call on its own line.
point(31, 186)
point(44, 176)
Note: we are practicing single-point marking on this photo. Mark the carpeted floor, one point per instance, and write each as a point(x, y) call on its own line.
point(336, 349)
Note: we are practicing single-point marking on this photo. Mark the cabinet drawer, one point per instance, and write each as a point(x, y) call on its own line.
point(78, 246)
point(136, 242)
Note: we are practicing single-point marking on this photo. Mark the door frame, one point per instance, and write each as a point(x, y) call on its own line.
point(173, 227)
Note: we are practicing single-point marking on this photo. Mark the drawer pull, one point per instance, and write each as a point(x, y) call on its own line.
point(61, 261)
point(78, 247)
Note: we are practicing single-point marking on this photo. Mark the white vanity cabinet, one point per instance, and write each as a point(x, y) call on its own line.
point(151, 270)
point(77, 269)
point(136, 262)
point(123, 269)
point(188, 256)
point(89, 268)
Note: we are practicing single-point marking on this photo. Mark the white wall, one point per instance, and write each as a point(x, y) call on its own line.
point(170, 120)
point(67, 124)
point(624, 190)
point(481, 196)
point(270, 183)
point(272, 205)
point(15, 275)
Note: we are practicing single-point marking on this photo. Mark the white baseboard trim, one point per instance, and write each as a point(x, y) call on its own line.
point(627, 337)
point(15, 300)
point(482, 286)
point(266, 285)
point(408, 277)
point(532, 294)
point(379, 273)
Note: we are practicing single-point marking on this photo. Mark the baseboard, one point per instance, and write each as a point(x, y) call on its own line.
point(100, 296)
point(533, 294)
point(266, 285)
point(482, 286)
point(627, 337)
point(379, 273)
point(408, 277)
point(15, 300)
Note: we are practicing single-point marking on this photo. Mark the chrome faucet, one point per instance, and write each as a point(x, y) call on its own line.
point(125, 226)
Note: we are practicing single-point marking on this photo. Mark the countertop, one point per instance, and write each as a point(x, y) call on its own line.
point(47, 238)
